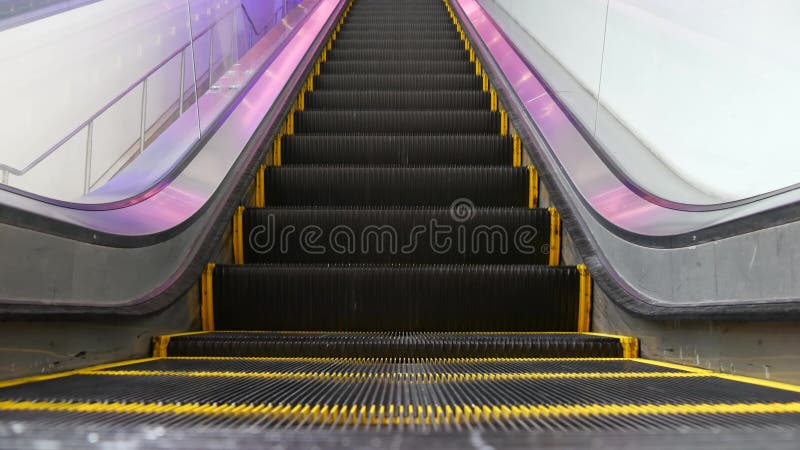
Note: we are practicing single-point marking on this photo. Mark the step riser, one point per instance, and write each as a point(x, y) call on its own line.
point(398, 150)
point(409, 187)
point(374, 298)
point(518, 236)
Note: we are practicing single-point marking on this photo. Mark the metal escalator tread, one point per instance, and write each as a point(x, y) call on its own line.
point(485, 367)
point(415, 395)
point(400, 236)
point(396, 121)
point(399, 346)
point(431, 34)
point(397, 150)
point(407, 67)
point(398, 55)
point(386, 44)
point(397, 99)
point(395, 186)
point(375, 297)
point(428, 82)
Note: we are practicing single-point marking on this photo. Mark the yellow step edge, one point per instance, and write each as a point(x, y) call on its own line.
point(238, 235)
point(516, 159)
point(533, 187)
point(399, 414)
point(207, 308)
point(584, 299)
point(52, 376)
point(493, 100)
point(277, 156)
point(260, 198)
point(555, 238)
point(416, 377)
point(503, 122)
point(382, 359)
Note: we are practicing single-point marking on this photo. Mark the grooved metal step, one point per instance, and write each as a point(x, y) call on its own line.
point(398, 186)
point(397, 150)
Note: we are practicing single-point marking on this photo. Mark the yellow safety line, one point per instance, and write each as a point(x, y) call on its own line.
point(630, 344)
point(555, 238)
point(516, 159)
point(36, 378)
point(484, 82)
point(427, 333)
point(503, 122)
point(493, 98)
point(416, 377)
point(584, 299)
point(238, 236)
point(207, 310)
point(381, 360)
point(726, 376)
point(160, 344)
point(399, 414)
point(290, 122)
point(276, 150)
point(533, 187)
point(260, 198)
point(301, 98)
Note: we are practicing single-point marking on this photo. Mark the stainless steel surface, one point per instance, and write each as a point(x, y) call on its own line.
point(145, 134)
point(134, 264)
point(618, 201)
point(752, 272)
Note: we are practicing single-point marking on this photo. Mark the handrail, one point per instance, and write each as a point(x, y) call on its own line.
point(5, 170)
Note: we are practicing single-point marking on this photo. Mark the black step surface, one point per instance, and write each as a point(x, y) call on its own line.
point(396, 298)
point(390, 121)
point(407, 67)
point(426, 82)
point(398, 150)
point(397, 55)
point(419, 236)
point(397, 99)
point(395, 186)
point(397, 347)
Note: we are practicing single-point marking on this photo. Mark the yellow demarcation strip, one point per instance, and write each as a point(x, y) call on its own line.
point(35, 378)
point(533, 187)
point(393, 414)
point(503, 122)
point(377, 360)
point(516, 160)
point(276, 149)
point(238, 236)
point(207, 307)
point(417, 377)
point(555, 237)
point(584, 299)
point(261, 200)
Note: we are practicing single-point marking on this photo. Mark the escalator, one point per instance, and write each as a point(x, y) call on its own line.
point(396, 274)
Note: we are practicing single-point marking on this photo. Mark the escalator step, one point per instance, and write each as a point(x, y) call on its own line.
point(397, 346)
point(414, 82)
point(418, 236)
point(432, 34)
point(389, 121)
point(298, 353)
point(398, 67)
point(398, 55)
point(396, 186)
point(439, 20)
point(397, 44)
point(396, 298)
point(331, 99)
point(398, 150)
